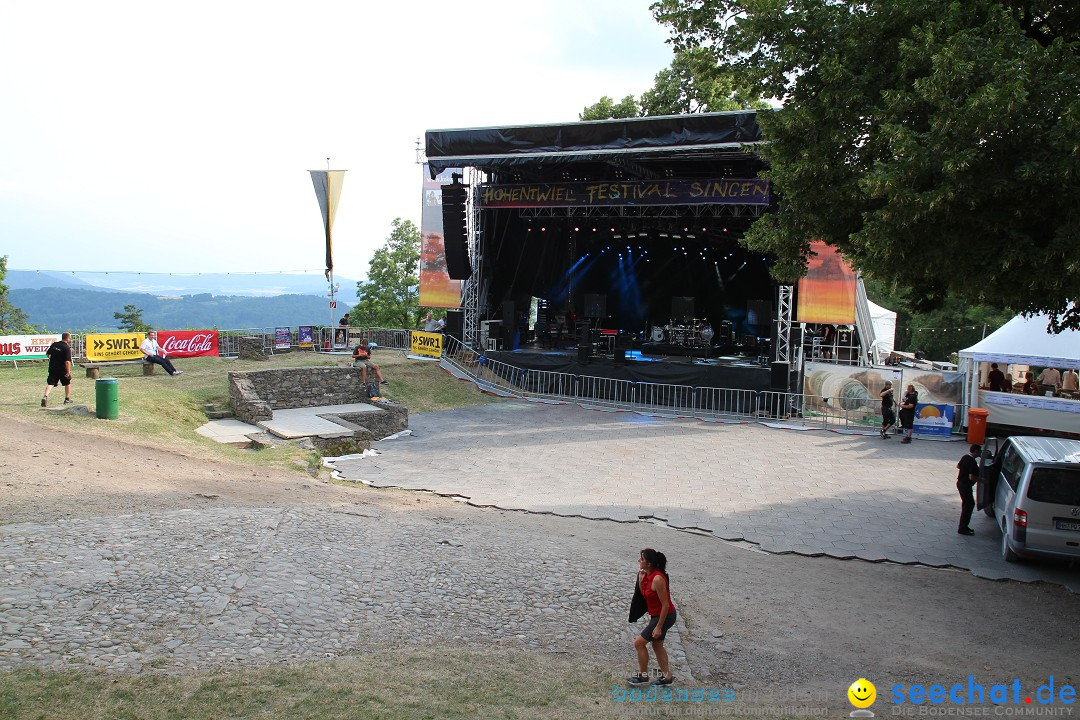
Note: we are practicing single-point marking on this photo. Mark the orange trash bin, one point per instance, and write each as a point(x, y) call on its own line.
point(977, 425)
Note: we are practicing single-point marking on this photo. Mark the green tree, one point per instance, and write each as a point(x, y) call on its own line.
point(390, 297)
point(605, 109)
point(693, 83)
point(933, 143)
point(131, 319)
point(12, 319)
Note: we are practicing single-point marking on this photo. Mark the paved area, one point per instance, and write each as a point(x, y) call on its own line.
point(305, 422)
point(813, 493)
point(175, 590)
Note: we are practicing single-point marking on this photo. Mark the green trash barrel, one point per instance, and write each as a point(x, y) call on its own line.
point(108, 398)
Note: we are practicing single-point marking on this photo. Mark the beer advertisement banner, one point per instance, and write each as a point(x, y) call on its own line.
point(717, 191)
point(25, 347)
point(436, 287)
point(429, 344)
point(114, 346)
point(188, 343)
point(827, 292)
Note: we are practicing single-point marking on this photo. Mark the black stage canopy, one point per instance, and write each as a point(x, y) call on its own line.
point(657, 138)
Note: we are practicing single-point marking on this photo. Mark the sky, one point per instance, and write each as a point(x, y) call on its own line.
point(153, 137)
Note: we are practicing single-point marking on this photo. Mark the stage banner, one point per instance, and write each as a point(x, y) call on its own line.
point(827, 292)
point(847, 391)
point(423, 343)
point(305, 336)
point(436, 287)
point(25, 347)
point(114, 346)
point(932, 420)
point(188, 343)
point(717, 191)
point(281, 338)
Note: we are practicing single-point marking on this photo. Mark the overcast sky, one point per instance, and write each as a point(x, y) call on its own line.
point(144, 136)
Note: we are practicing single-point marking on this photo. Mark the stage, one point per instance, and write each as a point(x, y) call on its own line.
point(727, 372)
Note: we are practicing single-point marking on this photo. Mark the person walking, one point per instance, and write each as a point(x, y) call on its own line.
point(59, 354)
point(153, 353)
point(966, 477)
point(888, 415)
point(653, 584)
point(907, 412)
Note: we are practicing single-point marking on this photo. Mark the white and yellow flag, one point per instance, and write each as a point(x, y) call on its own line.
point(328, 189)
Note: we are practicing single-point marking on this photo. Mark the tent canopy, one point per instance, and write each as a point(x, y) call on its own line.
point(1024, 341)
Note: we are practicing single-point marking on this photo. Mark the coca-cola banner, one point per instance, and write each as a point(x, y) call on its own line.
point(188, 343)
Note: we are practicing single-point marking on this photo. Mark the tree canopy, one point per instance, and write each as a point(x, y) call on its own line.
point(692, 83)
point(390, 297)
point(130, 320)
point(935, 144)
point(12, 319)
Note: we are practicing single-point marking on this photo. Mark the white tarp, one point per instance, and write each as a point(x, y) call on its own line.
point(1024, 341)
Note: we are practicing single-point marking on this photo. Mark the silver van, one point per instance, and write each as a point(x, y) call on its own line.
point(1031, 487)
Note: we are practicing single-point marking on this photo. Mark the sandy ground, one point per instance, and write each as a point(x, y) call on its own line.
point(768, 623)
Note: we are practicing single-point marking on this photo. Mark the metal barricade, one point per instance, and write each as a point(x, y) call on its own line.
point(725, 404)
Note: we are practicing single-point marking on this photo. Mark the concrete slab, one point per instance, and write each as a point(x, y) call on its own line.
point(229, 431)
point(305, 422)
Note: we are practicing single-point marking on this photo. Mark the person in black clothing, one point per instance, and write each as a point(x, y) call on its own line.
point(966, 478)
point(888, 415)
point(996, 377)
point(907, 412)
point(59, 354)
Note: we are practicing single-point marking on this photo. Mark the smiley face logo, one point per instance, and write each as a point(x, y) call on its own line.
point(862, 693)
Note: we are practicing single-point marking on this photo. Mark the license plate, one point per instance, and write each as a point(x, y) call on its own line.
point(1067, 525)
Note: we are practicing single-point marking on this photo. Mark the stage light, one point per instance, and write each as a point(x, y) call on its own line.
point(677, 237)
point(543, 229)
point(577, 229)
point(617, 237)
point(692, 237)
point(663, 235)
point(612, 229)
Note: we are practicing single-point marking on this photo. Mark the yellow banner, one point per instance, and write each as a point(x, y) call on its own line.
point(423, 343)
point(114, 346)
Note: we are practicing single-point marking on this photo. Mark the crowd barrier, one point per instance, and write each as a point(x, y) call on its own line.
point(682, 401)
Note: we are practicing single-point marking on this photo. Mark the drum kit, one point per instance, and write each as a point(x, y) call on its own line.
point(697, 333)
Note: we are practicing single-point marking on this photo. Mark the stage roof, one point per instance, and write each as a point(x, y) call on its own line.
point(702, 136)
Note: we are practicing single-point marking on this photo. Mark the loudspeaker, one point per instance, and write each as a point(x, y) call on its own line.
point(595, 306)
point(455, 321)
point(455, 231)
point(619, 356)
point(779, 377)
point(509, 324)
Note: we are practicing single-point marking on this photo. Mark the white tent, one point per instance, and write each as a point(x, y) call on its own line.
point(1024, 341)
point(884, 322)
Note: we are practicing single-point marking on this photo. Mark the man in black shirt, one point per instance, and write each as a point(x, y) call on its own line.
point(59, 354)
point(996, 378)
point(966, 478)
point(888, 416)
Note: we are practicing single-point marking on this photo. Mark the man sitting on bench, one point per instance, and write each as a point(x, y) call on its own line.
point(155, 354)
point(362, 359)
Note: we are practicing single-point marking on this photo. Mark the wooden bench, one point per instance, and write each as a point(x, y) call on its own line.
point(93, 369)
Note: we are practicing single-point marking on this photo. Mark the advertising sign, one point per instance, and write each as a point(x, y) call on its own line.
point(436, 287)
point(305, 336)
point(422, 343)
point(188, 343)
point(25, 347)
point(827, 292)
point(715, 191)
point(933, 420)
point(114, 346)
point(281, 338)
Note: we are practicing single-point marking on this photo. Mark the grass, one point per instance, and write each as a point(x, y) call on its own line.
point(163, 412)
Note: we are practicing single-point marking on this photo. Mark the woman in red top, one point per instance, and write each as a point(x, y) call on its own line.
point(653, 582)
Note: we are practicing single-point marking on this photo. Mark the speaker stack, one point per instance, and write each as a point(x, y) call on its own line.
point(455, 230)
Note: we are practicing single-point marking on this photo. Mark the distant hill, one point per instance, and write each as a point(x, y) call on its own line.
point(255, 285)
point(32, 280)
point(76, 309)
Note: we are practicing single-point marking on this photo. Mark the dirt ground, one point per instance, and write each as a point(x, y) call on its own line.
point(766, 623)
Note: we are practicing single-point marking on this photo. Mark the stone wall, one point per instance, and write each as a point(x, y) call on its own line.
point(256, 393)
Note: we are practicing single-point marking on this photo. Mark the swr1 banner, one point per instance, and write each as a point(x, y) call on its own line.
point(188, 343)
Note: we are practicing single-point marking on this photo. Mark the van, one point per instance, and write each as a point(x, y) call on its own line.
point(1031, 487)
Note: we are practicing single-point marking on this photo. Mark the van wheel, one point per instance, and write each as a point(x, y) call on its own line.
point(1006, 552)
